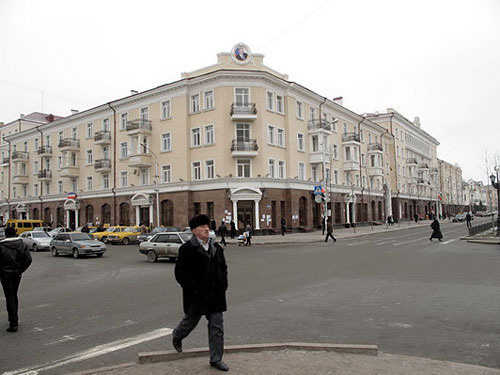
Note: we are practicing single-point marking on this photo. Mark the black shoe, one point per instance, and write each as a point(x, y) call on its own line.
point(220, 366)
point(177, 345)
point(430, 239)
point(12, 329)
point(334, 240)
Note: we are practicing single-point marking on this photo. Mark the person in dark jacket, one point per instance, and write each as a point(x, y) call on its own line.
point(233, 229)
point(222, 233)
point(329, 231)
point(201, 271)
point(283, 226)
point(468, 219)
point(85, 229)
point(436, 230)
point(213, 224)
point(15, 258)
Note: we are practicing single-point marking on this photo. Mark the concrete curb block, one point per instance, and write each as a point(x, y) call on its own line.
point(171, 355)
point(105, 369)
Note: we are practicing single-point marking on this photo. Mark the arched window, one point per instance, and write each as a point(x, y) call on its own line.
point(167, 213)
point(380, 210)
point(374, 217)
point(60, 216)
point(89, 214)
point(36, 214)
point(303, 211)
point(124, 214)
point(106, 214)
point(46, 215)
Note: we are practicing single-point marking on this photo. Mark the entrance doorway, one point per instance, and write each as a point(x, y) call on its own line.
point(72, 217)
point(245, 214)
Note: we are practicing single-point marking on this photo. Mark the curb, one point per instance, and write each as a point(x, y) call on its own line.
point(171, 355)
point(104, 369)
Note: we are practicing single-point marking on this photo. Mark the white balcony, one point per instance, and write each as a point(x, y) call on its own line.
point(44, 151)
point(139, 126)
point(102, 165)
point(140, 160)
point(375, 148)
point(247, 148)
point(70, 171)
point(243, 112)
point(375, 171)
point(69, 144)
point(319, 157)
point(19, 156)
point(102, 138)
point(45, 175)
point(20, 179)
point(351, 166)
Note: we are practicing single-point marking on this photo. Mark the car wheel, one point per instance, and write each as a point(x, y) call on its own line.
point(76, 254)
point(35, 248)
point(99, 255)
point(54, 252)
point(126, 241)
point(152, 257)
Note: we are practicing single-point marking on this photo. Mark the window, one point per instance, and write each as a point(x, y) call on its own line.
point(314, 173)
point(25, 190)
point(35, 190)
point(124, 179)
point(36, 144)
point(35, 167)
point(60, 135)
point(299, 110)
point(73, 160)
point(25, 146)
point(302, 171)
point(281, 137)
point(74, 133)
point(209, 99)
point(105, 125)
point(123, 121)
point(271, 168)
point(105, 181)
point(59, 187)
point(47, 140)
point(209, 135)
point(270, 134)
point(280, 105)
point(312, 113)
point(105, 152)
point(89, 158)
point(166, 142)
point(195, 137)
point(14, 192)
point(270, 101)
point(335, 152)
point(144, 176)
point(196, 170)
point(242, 97)
point(300, 142)
point(123, 150)
point(90, 131)
point(210, 169)
point(166, 173)
point(334, 124)
point(74, 184)
point(315, 143)
point(89, 183)
point(336, 177)
point(166, 109)
point(243, 166)
point(281, 169)
point(145, 113)
point(59, 162)
point(363, 160)
point(195, 103)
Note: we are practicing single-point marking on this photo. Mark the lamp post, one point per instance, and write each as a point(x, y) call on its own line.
point(156, 183)
point(496, 184)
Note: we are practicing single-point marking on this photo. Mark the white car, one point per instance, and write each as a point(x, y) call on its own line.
point(211, 233)
point(56, 231)
point(36, 240)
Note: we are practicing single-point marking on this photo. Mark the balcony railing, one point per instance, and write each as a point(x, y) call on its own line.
point(45, 174)
point(69, 143)
point(375, 147)
point(5, 160)
point(139, 124)
point(243, 109)
point(44, 150)
point(250, 145)
point(19, 155)
point(103, 136)
point(350, 137)
point(102, 164)
point(411, 161)
point(434, 170)
point(423, 166)
point(319, 124)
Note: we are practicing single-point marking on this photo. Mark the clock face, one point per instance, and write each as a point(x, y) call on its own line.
point(241, 53)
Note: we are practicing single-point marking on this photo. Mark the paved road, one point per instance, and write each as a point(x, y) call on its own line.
point(394, 289)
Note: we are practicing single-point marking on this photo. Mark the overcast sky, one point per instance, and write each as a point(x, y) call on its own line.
point(438, 60)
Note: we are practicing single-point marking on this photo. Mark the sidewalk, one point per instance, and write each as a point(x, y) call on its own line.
point(296, 362)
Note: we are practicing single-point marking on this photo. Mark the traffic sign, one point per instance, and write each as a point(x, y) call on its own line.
point(318, 198)
point(318, 189)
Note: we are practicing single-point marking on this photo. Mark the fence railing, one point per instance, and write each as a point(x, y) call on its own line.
point(480, 228)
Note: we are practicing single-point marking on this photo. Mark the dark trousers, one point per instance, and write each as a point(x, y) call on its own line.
point(223, 240)
point(10, 287)
point(249, 241)
point(215, 332)
point(469, 224)
point(331, 236)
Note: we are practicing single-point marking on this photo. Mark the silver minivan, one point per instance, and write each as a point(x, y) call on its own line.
point(164, 245)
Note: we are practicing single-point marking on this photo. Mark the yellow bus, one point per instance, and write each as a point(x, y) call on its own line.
point(23, 225)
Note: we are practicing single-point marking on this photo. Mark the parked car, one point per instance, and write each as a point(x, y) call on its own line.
point(148, 236)
point(164, 245)
point(36, 240)
point(126, 236)
point(103, 236)
point(45, 229)
point(458, 218)
point(211, 233)
point(54, 232)
point(76, 244)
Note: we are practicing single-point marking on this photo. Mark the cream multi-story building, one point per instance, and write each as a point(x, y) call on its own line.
point(412, 162)
point(475, 196)
point(236, 140)
point(451, 182)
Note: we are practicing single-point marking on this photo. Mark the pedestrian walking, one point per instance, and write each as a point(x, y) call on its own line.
point(416, 218)
point(213, 224)
point(223, 233)
point(390, 220)
point(233, 229)
point(283, 226)
point(248, 235)
point(323, 225)
point(201, 271)
point(436, 230)
point(329, 231)
point(468, 220)
point(15, 258)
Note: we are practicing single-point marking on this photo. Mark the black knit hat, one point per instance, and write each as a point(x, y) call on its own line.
point(199, 220)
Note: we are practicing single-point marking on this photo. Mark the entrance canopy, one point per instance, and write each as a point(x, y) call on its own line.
point(141, 199)
point(71, 205)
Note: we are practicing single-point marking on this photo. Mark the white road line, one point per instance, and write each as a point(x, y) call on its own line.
point(94, 352)
point(449, 241)
point(409, 241)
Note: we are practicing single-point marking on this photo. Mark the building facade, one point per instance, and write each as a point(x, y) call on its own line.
point(451, 197)
point(236, 140)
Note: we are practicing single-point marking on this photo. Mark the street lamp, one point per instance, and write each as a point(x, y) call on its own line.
point(156, 183)
point(496, 184)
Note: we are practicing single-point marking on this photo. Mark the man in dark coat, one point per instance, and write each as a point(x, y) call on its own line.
point(222, 233)
point(233, 229)
point(468, 219)
point(329, 231)
point(436, 230)
point(15, 258)
point(201, 271)
point(283, 226)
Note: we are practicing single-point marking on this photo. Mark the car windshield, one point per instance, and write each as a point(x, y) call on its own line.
point(40, 235)
point(111, 229)
point(131, 229)
point(80, 237)
point(186, 236)
point(158, 230)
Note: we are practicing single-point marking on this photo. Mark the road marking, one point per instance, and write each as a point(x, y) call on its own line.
point(64, 339)
point(449, 241)
point(94, 352)
point(405, 242)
